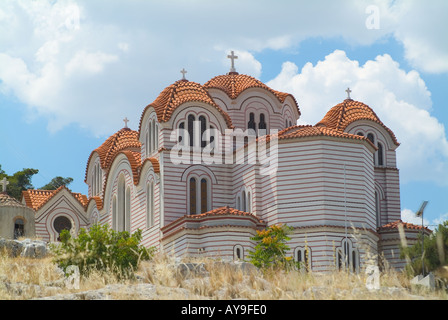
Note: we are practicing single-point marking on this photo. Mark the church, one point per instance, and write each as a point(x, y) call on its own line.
point(210, 164)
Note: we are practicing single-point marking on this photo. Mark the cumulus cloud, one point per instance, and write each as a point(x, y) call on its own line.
point(94, 62)
point(409, 216)
point(399, 98)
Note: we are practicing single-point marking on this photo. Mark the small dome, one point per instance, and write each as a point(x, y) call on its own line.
point(125, 139)
point(343, 114)
point(8, 201)
point(178, 93)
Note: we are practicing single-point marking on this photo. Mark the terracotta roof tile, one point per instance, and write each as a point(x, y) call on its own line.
point(303, 131)
point(124, 139)
point(121, 140)
point(223, 211)
point(406, 225)
point(36, 199)
point(348, 111)
point(180, 92)
point(233, 84)
point(8, 201)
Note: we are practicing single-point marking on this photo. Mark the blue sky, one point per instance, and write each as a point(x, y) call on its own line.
point(70, 71)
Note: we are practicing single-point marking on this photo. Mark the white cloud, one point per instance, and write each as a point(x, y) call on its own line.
point(409, 216)
point(88, 63)
point(108, 62)
point(399, 98)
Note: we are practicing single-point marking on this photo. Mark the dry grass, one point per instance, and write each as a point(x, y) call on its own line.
point(221, 281)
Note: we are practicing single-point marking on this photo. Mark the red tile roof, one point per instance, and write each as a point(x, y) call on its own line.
point(348, 111)
point(180, 92)
point(223, 211)
point(36, 199)
point(121, 140)
point(406, 225)
point(124, 139)
point(8, 201)
point(233, 84)
point(303, 131)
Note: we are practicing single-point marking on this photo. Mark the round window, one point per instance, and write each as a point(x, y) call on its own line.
point(62, 223)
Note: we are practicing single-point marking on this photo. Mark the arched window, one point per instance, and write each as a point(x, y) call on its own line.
point(181, 137)
point(193, 196)
point(149, 138)
point(153, 136)
point(347, 258)
point(121, 204)
point(150, 204)
point(380, 154)
point(249, 202)
point(372, 139)
point(377, 210)
point(262, 124)
point(303, 257)
point(19, 228)
point(61, 223)
point(127, 222)
point(238, 252)
point(251, 123)
point(204, 198)
point(203, 123)
point(191, 119)
point(243, 200)
point(114, 213)
point(360, 134)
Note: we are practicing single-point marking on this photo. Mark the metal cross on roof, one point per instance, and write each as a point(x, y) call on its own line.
point(348, 93)
point(4, 183)
point(232, 57)
point(126, 122)
point(183, 71)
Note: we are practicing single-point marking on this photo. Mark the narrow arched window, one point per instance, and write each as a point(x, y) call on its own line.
point(181, 137)
point(193, 196)
point(127, 221)
point(262, 124)
point(377, 210)
point(204, 198)
point(191, 120)
point(150, 204)
point(156, 137)
point(114, 213)
point(380, 154)
point(147, 139)
point(372, 139)
point(243, 200)
point(360, 134)
point(121, 205)
point(249, 202)
point(153, 135)
point(251, 123)
point(203, 123)
point(19, 228)
point(150, 138)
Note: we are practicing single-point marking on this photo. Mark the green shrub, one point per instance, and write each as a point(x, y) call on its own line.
point(102, 249)
point(270, 250)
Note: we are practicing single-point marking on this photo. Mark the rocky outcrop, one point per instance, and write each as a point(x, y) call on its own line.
point(24, 248)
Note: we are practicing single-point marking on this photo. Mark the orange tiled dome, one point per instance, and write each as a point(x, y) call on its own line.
point(178, 93)
point(348, 111)
point(233, 84)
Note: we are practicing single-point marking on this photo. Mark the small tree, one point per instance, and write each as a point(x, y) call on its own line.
point(270, 250)
point(103, 249)
point(435, 251)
